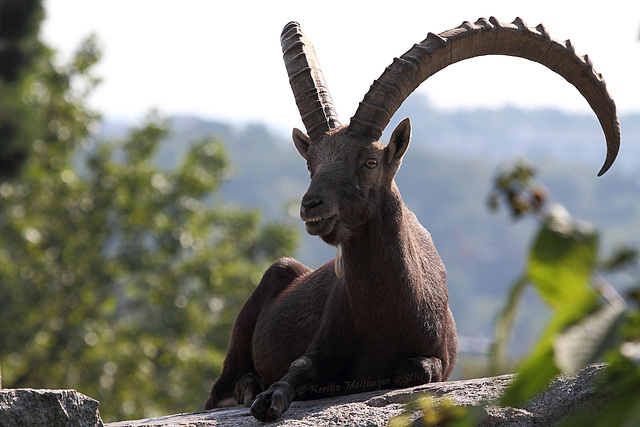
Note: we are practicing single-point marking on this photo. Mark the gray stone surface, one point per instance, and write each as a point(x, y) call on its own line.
point(565, 394)
point(51, 408)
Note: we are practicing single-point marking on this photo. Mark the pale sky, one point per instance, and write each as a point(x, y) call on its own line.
point(222, 60)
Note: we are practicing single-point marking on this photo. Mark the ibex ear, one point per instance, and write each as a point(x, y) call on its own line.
point(398, 143)
point(302, 142)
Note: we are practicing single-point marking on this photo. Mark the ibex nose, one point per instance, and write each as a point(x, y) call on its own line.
point(308, 205)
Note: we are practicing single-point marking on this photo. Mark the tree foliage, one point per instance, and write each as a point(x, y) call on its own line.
point(117, 278)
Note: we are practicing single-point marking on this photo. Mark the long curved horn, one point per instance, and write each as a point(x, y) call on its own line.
point(484, 37)
point(307, 82)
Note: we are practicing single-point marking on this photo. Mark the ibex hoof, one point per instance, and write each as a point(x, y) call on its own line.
point(270, 404)
point(416, 371)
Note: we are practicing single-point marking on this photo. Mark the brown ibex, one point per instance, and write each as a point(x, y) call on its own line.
point(378, 314)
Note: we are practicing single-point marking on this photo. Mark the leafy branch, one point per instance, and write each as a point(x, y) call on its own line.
point(589, 320)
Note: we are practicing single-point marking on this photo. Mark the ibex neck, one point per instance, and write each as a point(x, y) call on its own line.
point(381, 247)
point(391, 268)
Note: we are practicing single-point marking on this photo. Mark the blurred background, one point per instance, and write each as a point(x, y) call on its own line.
point(147, 177)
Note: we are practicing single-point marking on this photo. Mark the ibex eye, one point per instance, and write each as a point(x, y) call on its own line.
point(371, 163)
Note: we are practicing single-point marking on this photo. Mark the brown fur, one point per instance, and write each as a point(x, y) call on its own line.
point(385, 322)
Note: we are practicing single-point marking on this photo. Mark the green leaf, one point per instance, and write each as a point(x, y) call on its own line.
point(586, 341)
point(560, 266)
point(535, 374)
point(622, 257)
point(504, 325)
point(434, 411)
point(539, 368)
point(631, 350)
point(562, 259)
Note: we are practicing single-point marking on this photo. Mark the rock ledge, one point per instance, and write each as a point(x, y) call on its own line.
point(565, 395)
point(52, 408)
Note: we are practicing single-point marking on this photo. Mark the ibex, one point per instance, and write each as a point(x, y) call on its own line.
point(378, 314)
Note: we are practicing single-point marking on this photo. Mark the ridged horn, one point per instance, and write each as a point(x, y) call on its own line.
point(485, 37)
point(307, 82)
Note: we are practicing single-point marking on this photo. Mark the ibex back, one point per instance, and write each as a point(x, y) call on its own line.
point(377, 316)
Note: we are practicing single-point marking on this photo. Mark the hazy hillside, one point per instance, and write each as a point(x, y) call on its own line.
point(445, 179)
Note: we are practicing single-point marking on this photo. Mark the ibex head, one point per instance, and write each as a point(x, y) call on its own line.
point(350, 176)
point(350, 168)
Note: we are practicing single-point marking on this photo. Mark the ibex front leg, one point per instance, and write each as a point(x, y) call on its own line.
point(323, 360)
point(269, 405)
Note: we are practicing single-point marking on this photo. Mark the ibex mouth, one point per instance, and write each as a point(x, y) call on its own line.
point(319, 226)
